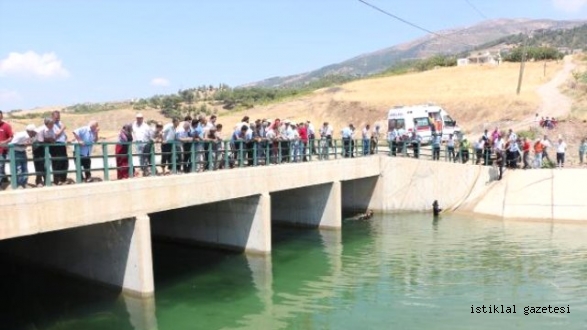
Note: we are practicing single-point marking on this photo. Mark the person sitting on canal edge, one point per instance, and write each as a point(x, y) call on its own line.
point(435, 208)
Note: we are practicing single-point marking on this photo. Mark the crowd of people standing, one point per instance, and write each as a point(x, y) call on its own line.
point(199, 144)
point(188, 145)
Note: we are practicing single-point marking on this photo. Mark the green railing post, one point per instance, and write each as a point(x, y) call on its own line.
point(152, 158)
point(105, 162)
point(211, 161)
point(193, 157)
point(48, 168)
point(173, 158)
point(267, 153)
point(335, 149)
point(226, 148)
point(278, 152)
point(240, 153)
point(255, 160)
point(129, 154)
point(13, 177)
point(78, 163)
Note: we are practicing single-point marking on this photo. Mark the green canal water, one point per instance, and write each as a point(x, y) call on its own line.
point(392, 272)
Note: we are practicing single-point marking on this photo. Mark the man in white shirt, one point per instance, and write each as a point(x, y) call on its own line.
point(366, 139)
point(450, 147)
point(561, 148)
point(326, 133)
point(392, 137)
point(20, 141)
point(499, 145)
point(140, 134)
point(45, 135)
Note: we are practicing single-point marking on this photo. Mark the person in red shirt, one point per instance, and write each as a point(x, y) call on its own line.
point(526, 152)
point(303, 132)
point(5, 137)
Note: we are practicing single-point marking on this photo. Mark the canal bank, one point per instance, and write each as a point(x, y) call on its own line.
point(543, 195)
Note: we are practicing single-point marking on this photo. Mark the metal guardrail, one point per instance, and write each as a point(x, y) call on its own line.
point(191, 157)
point(178, 157)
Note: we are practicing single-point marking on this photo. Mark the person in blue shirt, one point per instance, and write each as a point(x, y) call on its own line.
point(347, 140)
point(86, 136)
point(237, 141)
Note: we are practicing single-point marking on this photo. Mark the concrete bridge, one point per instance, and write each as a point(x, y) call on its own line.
point(103, 231)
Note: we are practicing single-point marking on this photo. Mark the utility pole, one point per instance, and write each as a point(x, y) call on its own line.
point(522, 64)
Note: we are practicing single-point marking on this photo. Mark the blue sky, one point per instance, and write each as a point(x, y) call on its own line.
point(60, 52)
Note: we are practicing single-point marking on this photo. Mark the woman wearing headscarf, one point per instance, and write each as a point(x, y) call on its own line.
point(124, 139)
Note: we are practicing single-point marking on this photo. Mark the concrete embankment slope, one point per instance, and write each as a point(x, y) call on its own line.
point(411, 185)
point(535, 195)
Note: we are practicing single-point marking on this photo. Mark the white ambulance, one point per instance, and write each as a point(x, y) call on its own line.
point(410, 118)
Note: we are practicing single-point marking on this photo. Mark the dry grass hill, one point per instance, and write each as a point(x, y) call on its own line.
point(476, 96)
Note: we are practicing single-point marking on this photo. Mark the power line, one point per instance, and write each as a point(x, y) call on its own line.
point(476, 9)
point(413, 24)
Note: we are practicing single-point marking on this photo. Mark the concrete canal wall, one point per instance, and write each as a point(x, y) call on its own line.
point(546, 194)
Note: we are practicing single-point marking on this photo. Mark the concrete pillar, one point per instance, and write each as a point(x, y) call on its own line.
point(237, 224)
point(138, 276)
point(313, 206)
point(116, 254)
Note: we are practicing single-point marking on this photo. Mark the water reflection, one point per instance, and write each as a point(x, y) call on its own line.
point(395, 271)
point(312, 275)
point(141, 312)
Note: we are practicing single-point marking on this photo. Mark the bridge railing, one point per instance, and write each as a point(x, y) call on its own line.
point(122, 160)
point(428, 152)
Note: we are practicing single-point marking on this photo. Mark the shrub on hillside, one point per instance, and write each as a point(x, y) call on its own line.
point(533, 53)
point(532, 133)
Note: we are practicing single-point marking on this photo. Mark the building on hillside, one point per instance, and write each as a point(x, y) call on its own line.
point(487, 57)
point(462, 61)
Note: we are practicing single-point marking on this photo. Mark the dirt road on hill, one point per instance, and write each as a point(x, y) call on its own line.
point(554, 103)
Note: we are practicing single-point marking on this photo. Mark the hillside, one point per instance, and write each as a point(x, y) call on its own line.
point(571, 38)
point(453, 41)
point(476, 96)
